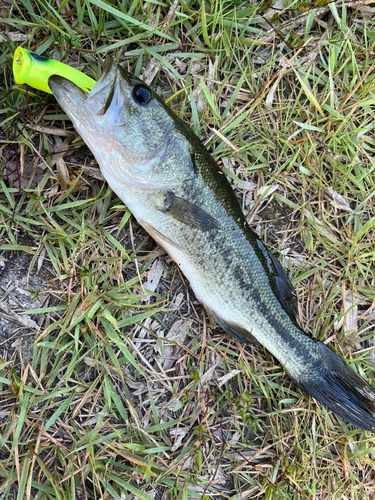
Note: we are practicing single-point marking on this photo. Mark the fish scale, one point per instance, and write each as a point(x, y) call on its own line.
point(177, 192)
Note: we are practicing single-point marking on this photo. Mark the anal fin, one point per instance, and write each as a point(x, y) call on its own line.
point(160, 237)
point(234, 330)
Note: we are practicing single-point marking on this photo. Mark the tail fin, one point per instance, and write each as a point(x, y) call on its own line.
point(342, 390)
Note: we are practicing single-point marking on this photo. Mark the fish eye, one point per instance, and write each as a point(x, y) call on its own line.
point(141, 94)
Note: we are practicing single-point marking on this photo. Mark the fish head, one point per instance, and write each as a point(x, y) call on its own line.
point(129, 129)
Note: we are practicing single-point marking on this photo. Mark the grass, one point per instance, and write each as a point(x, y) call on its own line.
point(131, 392)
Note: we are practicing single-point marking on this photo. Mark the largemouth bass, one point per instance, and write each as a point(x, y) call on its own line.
point(177, 192)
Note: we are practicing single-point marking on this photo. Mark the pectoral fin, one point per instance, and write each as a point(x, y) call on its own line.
point(188, 213)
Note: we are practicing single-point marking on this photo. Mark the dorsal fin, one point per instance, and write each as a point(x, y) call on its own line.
point(283, 288)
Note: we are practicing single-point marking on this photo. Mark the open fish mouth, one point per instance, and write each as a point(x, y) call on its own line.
point(110, 96)
point(117, 122)
point(70, 97)
point(106, 93)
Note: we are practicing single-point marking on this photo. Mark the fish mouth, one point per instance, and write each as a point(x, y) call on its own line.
point(107, 98)
point(105, 90)
point(70, 97)
point(105, 119)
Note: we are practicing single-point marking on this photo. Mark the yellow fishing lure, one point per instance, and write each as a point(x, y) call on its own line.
point(35, 70)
